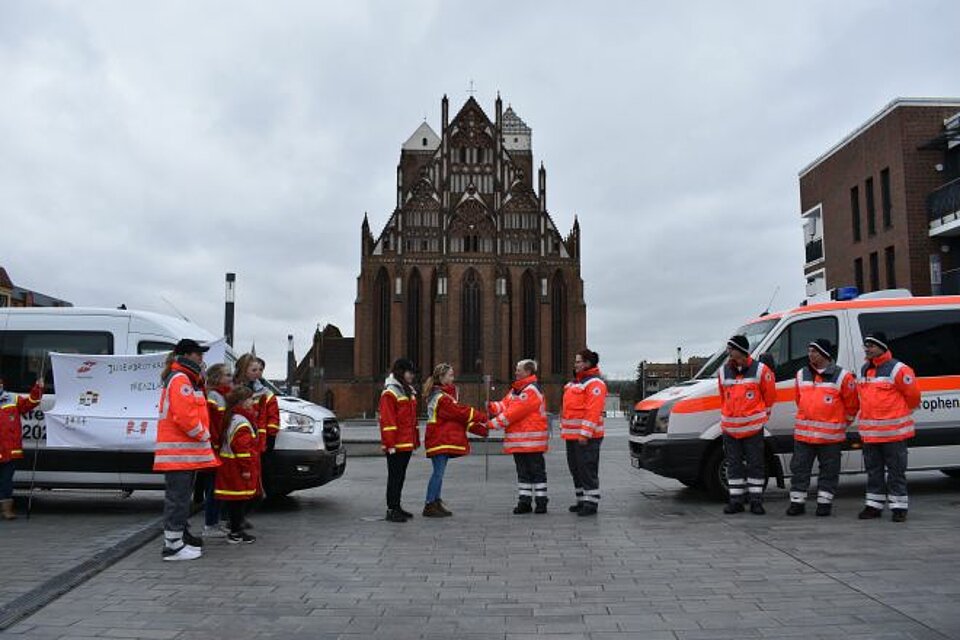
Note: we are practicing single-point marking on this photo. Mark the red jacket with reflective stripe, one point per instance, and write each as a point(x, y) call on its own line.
point(522, 414)
point(746, 396)
point(583, 403)
point(216, 407)
point(12, 406)
point(183, 431)
point(238, 477)
point(266, 415)
point(827, 403)
point(888, 396)
point(448, 422)
point(398, 417)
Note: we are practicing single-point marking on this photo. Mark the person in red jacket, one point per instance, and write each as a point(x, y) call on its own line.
point(12, 406)
point(448, 423)
point(219, 382)
point(183, 446)
point(748, 391)
point(827, 403)
point(238, 477)
point(399, 435)
point(522, 414)
point(581, 427)
point(888, 396)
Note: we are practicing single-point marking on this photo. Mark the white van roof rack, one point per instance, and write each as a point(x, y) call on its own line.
point(886, 293)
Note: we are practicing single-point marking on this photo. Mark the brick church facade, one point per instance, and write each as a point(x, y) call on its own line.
point(470, 269)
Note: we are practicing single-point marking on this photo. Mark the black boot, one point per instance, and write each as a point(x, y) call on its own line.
point(796, 509)
point(587, 509)
point(394, 515)
point(541, 505)
point(522, 507)
point(756, 508)
point(733, 507)
point(869, 513)
point(406, 514)
point(899, 515)
point(575, 508)
point(824, 509)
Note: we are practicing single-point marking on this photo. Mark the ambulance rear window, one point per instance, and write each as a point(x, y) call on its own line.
point(928, 340)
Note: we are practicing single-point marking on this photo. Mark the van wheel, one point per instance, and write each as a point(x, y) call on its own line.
point(714, 477)
point(952, 473)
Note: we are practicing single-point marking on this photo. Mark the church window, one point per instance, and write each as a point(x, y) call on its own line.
point(471, 317)
point(557, 324)
point(528, 333)
point(381, 323)
point(413, 317)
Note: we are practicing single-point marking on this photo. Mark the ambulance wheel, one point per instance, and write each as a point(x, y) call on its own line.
point(714, 476)
point(952, 473)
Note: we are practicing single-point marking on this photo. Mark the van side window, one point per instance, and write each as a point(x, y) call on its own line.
point(152, 346)
point(24, 354)
point(789, 350)
point(928, 341)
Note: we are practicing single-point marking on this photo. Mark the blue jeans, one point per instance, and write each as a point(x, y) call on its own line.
point(436, 480)
point(211, 506)
point(6, 479)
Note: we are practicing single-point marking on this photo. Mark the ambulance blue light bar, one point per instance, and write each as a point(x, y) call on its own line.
point(845, 293)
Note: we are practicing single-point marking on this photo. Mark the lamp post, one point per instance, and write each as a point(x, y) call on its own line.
point(228, 311)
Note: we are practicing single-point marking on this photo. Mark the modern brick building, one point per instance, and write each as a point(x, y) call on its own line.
point(866, 203)
point(469, 269)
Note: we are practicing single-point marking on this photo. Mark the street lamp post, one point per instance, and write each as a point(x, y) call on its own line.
point(228, 311)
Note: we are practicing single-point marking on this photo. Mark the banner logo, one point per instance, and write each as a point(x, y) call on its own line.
point(86, 366)
point(89, 398)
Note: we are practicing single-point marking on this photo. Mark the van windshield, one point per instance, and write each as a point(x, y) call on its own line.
point(755, 333)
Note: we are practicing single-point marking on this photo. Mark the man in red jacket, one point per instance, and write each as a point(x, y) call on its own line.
point(12, 406)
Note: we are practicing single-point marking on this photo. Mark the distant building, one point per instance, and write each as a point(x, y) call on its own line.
point(880, 207)
point(663, 375)
point(469, 269)
point(13, 296)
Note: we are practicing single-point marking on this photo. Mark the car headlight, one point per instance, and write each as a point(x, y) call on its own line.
point(663, 417)
point(297, 422)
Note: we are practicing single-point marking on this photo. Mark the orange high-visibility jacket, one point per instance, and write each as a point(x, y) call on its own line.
point(238, 477)
point(12, 406)
point(522, 414)
point(183, 432)
point(583, 402)
point(448, 423)
point(398, 417)
point(888, 395)
point(746, 397)
point(827, 402)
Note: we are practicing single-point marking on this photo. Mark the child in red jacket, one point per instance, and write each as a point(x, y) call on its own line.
point(238, 476)
point(12, 406)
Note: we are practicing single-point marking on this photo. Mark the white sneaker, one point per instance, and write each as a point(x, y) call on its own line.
point(214, 532)
point(186, 552)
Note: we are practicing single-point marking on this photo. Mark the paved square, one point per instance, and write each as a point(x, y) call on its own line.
point(660, 561)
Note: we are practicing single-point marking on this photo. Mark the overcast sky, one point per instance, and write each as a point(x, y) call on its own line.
point(146, 148)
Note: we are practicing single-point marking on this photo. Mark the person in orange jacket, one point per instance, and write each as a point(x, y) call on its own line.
point(183, 446)
point(522, 414)
point(748, 391)
point(888, 396)
point(238, 477)
point(448, 423)
point(581, 427)
point(827, 403)
point(399, 435)
point(12, 406)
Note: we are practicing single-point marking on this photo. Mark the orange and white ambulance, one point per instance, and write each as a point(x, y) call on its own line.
point(676, 433)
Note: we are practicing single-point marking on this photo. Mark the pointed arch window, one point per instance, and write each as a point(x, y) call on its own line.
point(528, 317)
point(558, 323)
point(414, 317)
point(471, 314)
point(381, 321)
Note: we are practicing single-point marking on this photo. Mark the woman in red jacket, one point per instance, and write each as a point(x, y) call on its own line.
point(448, 422)
point(399, 435)
point(12, 406)
point(238, 477)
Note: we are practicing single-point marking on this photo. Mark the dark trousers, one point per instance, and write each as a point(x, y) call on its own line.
point(531, 477)
point(6, 478)
point(828, 478)
point(235, 513)
point(205, 482)
point(886, 466)
point(396, 475)
point(583, 460)
point(176, 506)
point(745, 471)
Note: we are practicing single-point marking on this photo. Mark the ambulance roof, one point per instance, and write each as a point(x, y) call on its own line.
point(861, 303)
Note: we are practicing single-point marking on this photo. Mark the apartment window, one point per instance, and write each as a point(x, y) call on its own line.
point(889, 257)
point(858, 273)
point(874, 272)
point(871, 209)
point(855, 212)
point(885, 204)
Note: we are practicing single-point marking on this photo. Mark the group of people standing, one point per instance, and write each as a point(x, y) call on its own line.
point(522, 416)
point(216, 433)
point(829, 398)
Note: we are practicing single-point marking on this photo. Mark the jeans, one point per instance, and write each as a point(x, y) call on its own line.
point(436, 479)
point(211, 506)
point(745, 470)
point(396, 475)
point(6, 478)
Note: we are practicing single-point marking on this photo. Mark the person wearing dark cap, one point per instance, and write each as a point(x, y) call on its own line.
point(827, 404)
point(748, 391)
point(183, 445)
point(399, 435)
point(581, 427)
point(888, 396)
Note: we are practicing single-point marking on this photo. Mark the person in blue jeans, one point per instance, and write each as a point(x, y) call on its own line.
point(448, 422)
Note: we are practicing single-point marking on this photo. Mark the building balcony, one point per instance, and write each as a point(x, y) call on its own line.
point(814, 251)
point(943, 210)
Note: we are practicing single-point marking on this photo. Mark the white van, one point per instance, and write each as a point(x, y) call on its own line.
point(676, 433)
point(308, 451)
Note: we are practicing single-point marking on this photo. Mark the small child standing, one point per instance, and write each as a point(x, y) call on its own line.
point(238, 477)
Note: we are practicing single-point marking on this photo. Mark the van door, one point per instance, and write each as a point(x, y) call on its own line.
point(24, 357)
point(788, 351)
